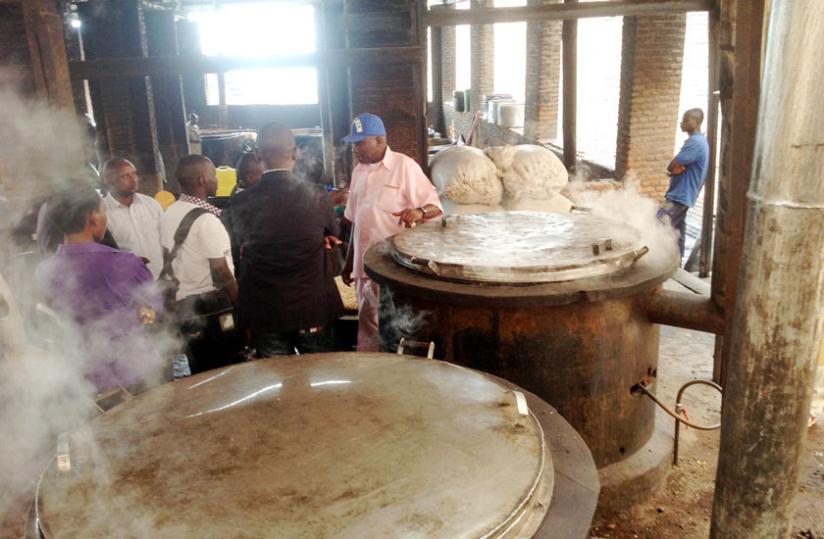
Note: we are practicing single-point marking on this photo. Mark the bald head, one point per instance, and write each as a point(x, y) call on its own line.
point(691, 122)
point(196, 176)
point(276, 145)
point(696, 114)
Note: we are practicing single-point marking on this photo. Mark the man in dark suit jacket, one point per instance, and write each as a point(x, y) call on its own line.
point(283, 230)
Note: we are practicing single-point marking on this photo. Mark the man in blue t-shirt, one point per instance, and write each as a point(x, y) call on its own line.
point(686, 171)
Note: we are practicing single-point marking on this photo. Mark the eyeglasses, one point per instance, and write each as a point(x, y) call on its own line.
point(249, 146)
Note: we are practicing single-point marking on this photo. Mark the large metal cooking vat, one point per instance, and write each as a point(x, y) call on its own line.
point(330, 445)
point(557, 304)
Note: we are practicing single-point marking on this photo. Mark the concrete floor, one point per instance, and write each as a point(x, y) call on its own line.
point(682, 508)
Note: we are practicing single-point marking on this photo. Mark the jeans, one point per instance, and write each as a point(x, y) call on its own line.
point(284, 343)
point(675, 214)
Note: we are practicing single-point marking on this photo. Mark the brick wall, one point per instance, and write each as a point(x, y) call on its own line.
point(543, 72)
point(395, 92)
point(15, 62)
point(652, 54)
point(482, 39)
point(123, 108)
point(447, 61)
point(434, 112)
point(167, 93)
point(495, 135)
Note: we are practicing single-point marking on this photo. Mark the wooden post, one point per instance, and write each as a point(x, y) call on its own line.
point(435, 114)
point(223, 108)
point(739, 86)
point(570, 83)
point(44, 31)
point(777, 325)
point(707, 224)
point(419, 78)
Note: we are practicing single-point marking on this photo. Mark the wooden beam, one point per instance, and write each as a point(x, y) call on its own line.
point(737, 151)
point(117, 68)
point(44, 32)
point(566, 11)
point(569, 40)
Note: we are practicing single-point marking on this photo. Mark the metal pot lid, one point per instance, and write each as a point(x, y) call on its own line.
point(518, 247)
point(332, 445)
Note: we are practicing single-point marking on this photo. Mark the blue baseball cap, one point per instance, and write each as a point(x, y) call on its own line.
point(365, 125)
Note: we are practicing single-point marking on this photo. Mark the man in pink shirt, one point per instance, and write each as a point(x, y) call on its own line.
point(388, 192)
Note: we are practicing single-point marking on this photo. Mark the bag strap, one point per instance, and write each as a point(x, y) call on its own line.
point(180, 236)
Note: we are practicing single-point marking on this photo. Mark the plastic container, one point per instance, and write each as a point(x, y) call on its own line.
point(511, 115)
point(226, 181)
point(495, 107)
point(458, 101)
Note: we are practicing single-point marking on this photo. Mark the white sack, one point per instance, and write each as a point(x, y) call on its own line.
point(453, 208)
point(535, 173)
point(464, 175)
point(557, 203)
point(502, 156)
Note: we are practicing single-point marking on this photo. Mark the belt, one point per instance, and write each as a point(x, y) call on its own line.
point(310, 331)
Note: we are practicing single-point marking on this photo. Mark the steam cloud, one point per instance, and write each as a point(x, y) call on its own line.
point(627, 206)
point(43, 392)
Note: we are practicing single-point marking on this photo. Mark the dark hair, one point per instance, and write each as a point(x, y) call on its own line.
point(245, 163)
point(114, 163)
point(190, 168)
point(69, 208)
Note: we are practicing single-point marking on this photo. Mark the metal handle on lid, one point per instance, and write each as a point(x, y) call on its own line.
point(517, 401)
point(404, 342)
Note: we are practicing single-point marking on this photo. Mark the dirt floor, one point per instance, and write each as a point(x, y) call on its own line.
point(682, 508)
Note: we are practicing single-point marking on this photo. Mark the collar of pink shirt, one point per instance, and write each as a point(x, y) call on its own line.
point(388, 162)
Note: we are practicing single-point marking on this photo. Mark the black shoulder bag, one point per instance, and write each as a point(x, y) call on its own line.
point(193, 313)
point(168, 282)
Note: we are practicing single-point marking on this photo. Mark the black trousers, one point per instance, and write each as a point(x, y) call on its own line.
point(212, 348)
point(284, 343)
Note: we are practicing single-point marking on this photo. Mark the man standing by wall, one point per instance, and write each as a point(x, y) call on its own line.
point(193, 133)
point(134, 218)
point(281, 229)
point(687, 171)
point(202, 265)
point(388, 192)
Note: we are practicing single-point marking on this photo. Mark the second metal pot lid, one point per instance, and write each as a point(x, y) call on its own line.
point(518, 247)
point(331, 445)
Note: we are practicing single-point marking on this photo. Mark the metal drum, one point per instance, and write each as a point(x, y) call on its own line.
point(517, 248)
point(330, 445)
point(557, 303)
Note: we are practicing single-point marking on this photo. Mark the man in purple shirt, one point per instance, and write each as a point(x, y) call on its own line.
point(103, 297)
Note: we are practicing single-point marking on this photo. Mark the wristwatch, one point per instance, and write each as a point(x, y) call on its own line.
point(423, 211)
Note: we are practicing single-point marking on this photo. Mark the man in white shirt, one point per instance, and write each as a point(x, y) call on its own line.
point(133, 218)
point(203, 264)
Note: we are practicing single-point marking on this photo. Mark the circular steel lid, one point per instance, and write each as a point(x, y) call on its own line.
point(332, 445)
point(518, 247)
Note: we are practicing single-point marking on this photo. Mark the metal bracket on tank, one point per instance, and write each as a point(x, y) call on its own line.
point(404, 343)
point(64, 461)
point(517, 401)
point(111, 398)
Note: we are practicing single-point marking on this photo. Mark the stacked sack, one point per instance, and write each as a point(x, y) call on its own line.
point(532, 177)
point(467, 180)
